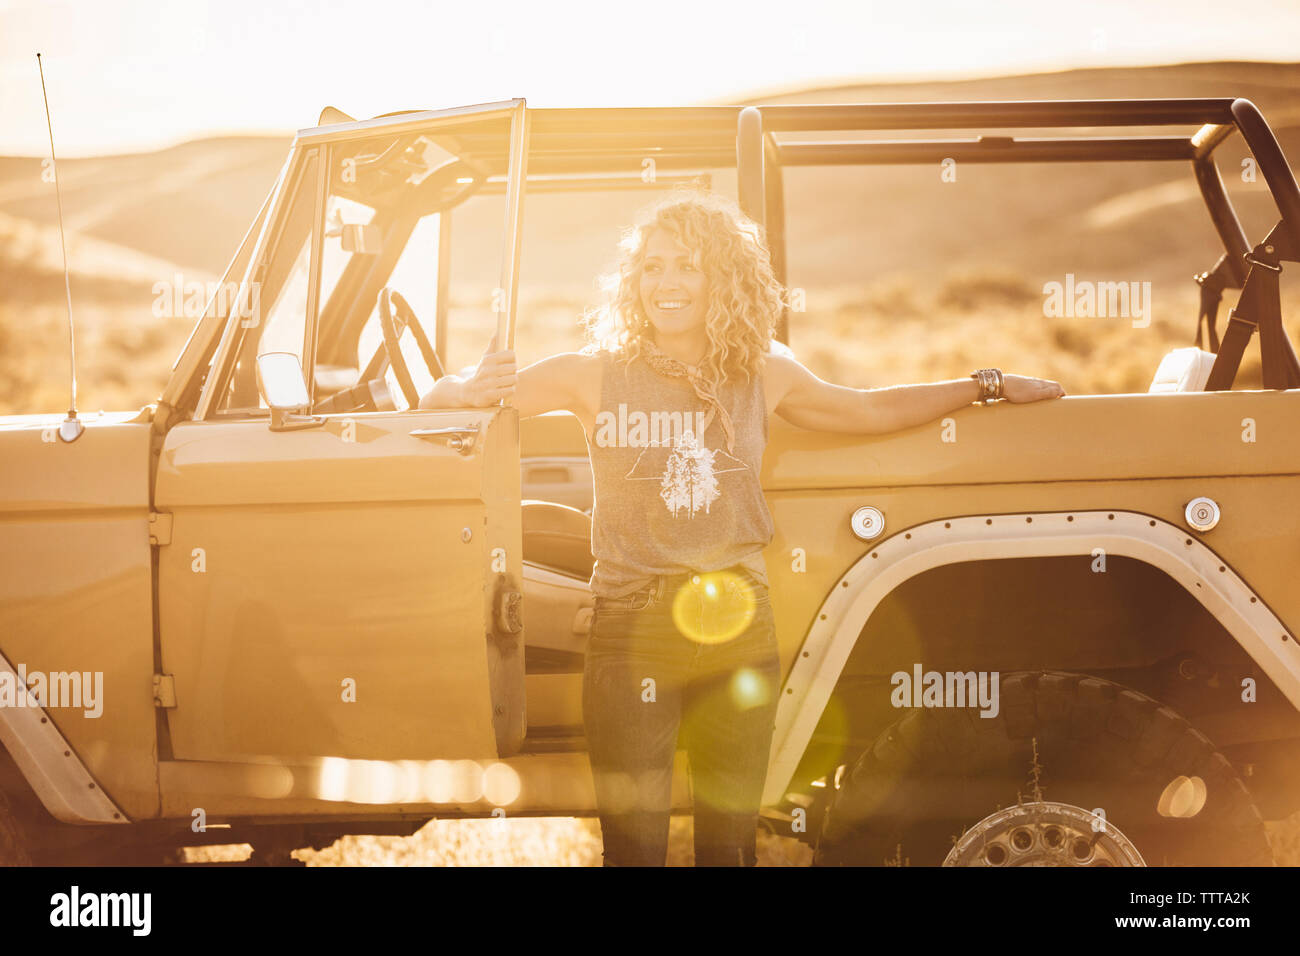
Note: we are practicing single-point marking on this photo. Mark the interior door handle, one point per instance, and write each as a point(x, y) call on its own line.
point(459, 437)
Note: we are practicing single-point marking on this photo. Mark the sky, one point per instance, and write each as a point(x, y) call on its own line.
point(131, 75)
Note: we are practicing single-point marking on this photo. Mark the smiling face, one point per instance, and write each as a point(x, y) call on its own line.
point(674, 289)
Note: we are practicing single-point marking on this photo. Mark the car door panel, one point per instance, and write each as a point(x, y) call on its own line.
point(331, 591)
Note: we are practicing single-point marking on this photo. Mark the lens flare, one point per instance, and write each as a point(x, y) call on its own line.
point(749, 689)
point(501, 784)
point(415, 781)
point(467, 781)
point(437, 781)
point(619, 791)
point(715, 607)
point(332, 779)
point(1183, 798)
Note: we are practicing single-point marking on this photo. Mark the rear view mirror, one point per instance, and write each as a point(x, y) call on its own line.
point(367, 240)
point(279, 376)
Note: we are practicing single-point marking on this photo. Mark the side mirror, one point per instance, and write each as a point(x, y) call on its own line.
point(366, 240)
point(279, 376)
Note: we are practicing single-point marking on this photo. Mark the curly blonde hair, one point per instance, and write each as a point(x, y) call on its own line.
point(745, 300)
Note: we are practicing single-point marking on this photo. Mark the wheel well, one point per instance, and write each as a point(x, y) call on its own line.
point(1131, 624)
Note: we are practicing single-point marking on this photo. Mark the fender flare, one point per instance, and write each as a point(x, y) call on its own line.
point(50, 765)
point(1179, 553)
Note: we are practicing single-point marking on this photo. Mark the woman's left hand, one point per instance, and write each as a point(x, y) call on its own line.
point(1020, 389)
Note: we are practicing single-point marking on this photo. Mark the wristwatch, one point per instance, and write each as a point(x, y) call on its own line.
point(990, 380)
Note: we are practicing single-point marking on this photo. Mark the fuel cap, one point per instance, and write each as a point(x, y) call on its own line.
point(868, 523)
point(1202, 514)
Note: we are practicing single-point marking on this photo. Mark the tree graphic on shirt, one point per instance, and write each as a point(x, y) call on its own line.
point(687, 475)
point(689, 480)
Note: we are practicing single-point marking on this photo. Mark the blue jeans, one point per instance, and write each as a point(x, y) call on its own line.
point(672, 658)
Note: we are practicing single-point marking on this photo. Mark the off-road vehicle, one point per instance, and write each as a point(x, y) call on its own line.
point(304, 607)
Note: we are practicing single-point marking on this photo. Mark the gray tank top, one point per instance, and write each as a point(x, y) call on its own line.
point(667, 499)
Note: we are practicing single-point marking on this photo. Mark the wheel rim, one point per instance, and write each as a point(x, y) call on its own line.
point(1044, 834)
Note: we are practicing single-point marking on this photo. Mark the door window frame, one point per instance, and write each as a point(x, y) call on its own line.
point(319, 142)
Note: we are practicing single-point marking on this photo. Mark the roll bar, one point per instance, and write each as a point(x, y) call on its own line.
point(760, 157)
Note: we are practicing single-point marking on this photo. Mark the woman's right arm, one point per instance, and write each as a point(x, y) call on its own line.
point(552, 384)
point(479, 386)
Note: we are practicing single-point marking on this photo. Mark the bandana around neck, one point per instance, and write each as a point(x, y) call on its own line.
point(704, 388)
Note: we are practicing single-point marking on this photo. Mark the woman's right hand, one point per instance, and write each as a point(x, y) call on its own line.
point(493, 379)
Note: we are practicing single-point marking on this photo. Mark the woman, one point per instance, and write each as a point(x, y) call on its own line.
point(674, 393)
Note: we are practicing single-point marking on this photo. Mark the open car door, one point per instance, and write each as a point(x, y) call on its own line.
point(345, 584)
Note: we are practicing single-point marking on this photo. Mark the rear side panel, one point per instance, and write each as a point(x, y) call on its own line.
point(1147, 454)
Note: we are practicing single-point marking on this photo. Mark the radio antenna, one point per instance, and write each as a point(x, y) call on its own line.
point(70, 428)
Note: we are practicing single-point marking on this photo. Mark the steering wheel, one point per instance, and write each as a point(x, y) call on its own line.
point(393, 324)
point(371, 391)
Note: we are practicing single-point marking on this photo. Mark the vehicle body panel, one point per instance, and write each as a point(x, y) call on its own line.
point(309, 568)
point(76, 588)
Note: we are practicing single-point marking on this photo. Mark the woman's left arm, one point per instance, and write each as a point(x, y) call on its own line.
point(808, 402)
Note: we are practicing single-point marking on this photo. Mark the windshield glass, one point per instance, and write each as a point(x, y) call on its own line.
point(277, 310)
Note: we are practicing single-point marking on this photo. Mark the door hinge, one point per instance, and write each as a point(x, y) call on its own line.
point(509, 612)
point(160, 527)
point(164, 690)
